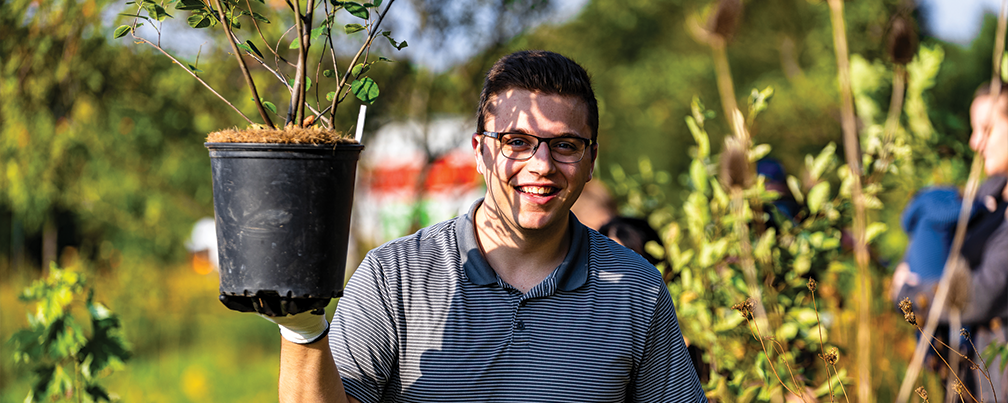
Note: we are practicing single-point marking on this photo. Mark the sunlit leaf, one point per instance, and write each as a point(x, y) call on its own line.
point(269, 106)
point(121, 31)
point(365, 89)
point(260, 17)
point(817, 196)
point(356, 9)
point(359, 69)
point(353, 28)
point(190, 5)
point(198, 21)
point(330, 96)
point(255, 50)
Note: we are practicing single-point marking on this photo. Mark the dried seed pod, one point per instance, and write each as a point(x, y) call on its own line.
point(735, 169)
point(745, 307)
point(908, 312)
point(726, 19)
point(922, 393)
point(903, 42)
point(832, 356)
point(960, 285)
point(812, 284)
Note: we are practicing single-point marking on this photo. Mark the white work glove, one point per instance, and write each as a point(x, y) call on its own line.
point(303, 328)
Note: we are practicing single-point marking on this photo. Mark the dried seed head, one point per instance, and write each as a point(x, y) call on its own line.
point(958, 387)
point(908, 313)
point(959, 285)
point(745, 307)
point(812, 284)
point(922, 393)
point(964, 333)
point(735, 169)
point(832, 356)
point(726, 18)
point(902, 42)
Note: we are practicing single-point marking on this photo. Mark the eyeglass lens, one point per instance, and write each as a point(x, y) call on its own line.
point(522, 146)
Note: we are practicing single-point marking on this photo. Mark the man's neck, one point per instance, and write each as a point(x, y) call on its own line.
point(522, 258)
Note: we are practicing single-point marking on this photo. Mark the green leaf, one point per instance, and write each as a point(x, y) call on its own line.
point(365, 89)
point(795, 188)
point(295, 44)
point(401, 45)
point(353, 28)
point(157, 12)
point(97, 393)
point(873, 230)
point(190, 5)
point(269, 106)
point(133, 16)
point(356, 9)
point(260, 17)
point(817, 196)
point(1004, 67)
point(121, 31)
point(315, 33)
point(254, 49)
point(377, 3)
point(359, 69)
point(330, 96)
point(698, 175)
point(194, 69)
point(198, 21)
point(328, 73)
point(244, 47)
point(307, 83)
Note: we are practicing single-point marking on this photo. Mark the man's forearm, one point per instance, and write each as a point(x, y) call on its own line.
point(308, 374)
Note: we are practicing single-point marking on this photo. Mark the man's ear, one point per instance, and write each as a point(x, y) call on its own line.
point(594, 155)
point(478, 153)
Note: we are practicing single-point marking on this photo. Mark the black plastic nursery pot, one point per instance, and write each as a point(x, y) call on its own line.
point(282, 213)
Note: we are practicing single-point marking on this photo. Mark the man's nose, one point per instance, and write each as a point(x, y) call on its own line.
point(542, 160)
point(978, 139)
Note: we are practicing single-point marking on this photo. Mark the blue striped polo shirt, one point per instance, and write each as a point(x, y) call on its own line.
point(426, 319)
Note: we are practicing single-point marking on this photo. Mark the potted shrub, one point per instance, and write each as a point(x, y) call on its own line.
point(283, 192)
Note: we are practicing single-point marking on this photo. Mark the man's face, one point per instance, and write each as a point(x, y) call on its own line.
point(536, 193)
point(990, 132)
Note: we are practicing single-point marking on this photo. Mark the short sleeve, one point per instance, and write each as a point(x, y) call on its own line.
point(665, 373)
point(363, 337)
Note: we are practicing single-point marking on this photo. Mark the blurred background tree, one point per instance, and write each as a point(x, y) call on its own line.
point(102, 165)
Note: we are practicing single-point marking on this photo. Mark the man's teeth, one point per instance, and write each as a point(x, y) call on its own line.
point(537, 190)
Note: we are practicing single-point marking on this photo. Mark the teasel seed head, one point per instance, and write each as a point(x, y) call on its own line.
point(960, 285)
point(922, 393)
point(745, 307)
point(832, 356)
point(908, 312)
point(726, 19)
point(903, 42)
point(964, 333)
point(812, 284)
point(735, 167)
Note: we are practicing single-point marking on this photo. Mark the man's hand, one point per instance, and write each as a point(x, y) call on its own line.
point(303, 328)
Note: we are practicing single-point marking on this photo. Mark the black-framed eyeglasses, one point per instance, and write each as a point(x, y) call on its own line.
point(521, 146)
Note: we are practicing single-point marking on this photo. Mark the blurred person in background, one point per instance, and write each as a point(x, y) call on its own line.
point(985, 248)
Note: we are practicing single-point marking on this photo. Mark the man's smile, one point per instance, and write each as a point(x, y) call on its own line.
point(538, 190)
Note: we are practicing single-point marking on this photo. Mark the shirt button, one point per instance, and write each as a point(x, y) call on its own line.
point(519, 325)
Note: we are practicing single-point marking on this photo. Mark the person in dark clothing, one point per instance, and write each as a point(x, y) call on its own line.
point(985, 248)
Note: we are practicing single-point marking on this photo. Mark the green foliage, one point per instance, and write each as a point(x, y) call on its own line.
point(703, 254)
point(293, 79)
point(66, 360)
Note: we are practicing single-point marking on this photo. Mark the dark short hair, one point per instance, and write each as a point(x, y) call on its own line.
point(538, 71)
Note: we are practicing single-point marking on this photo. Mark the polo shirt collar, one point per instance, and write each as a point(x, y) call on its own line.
point(571, 274)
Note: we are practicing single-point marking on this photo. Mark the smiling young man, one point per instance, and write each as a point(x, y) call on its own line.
point(515, 301)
